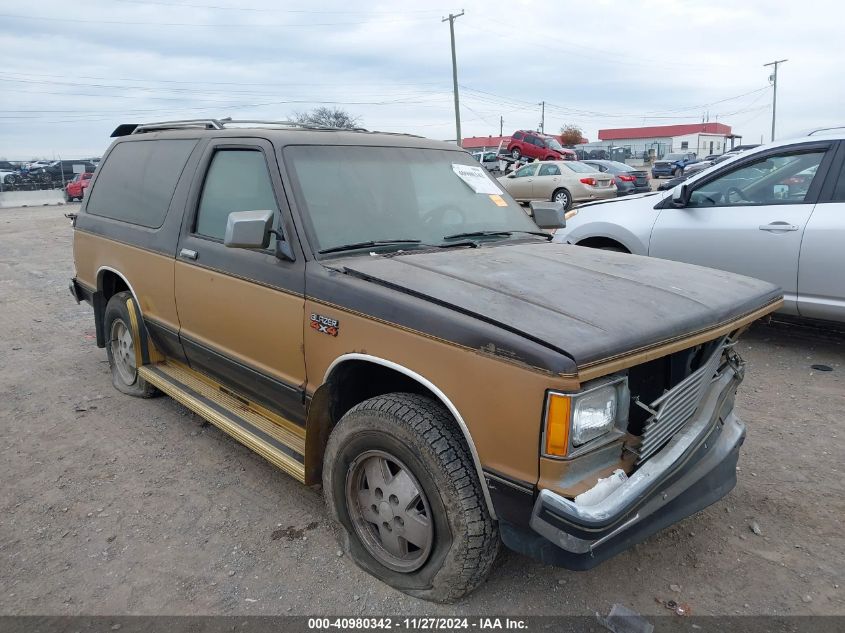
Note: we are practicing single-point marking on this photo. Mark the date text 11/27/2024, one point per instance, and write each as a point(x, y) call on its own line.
point(416, 624)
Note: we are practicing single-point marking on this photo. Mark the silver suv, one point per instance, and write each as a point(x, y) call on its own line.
point(776, 212)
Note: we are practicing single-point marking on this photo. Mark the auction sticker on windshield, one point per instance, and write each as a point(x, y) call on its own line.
point(476, 178)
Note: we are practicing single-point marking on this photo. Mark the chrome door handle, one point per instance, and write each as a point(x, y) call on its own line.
point(776, 227)
point(187, 253)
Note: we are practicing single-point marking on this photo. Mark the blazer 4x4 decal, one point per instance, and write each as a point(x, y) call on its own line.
point(324, 324)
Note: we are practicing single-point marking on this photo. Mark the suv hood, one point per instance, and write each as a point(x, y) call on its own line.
point(584, 303)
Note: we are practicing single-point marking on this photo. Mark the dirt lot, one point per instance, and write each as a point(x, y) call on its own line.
point(113, 505)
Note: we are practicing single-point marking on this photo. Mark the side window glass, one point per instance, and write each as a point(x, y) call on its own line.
point(782, 179)
point(538, 142)
point(237, 180)
point(528, 170)
point(517, 136)
point(549, 170)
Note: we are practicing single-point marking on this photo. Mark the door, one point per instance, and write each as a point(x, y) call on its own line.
point(521, 184)
point(747, 219)
point(546, 181)
point(531, 149)
point(821, 269)
point(241, 310)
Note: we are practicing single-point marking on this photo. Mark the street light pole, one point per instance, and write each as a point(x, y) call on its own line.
point(775, 91)
point(452, 19)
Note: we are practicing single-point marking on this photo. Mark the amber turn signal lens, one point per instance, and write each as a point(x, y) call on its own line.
point(557, 424)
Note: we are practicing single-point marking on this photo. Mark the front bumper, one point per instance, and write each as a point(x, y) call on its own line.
point(659, 172)
point(694, 470)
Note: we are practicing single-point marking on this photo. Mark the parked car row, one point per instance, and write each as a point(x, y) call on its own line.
point(43, 173)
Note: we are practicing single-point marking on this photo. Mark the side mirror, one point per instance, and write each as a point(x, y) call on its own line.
point(548, 215)
point(512, 174)
point(680, 196)
point(248, 229)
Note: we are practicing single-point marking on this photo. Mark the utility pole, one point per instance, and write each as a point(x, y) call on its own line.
point(543, 117)
point(452, 19)
point(501, 125)
point(774, 80)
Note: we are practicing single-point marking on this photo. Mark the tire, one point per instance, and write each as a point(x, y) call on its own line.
point(678, 172)
point(121, 345)
point(516, 154)
point(562, 195)
point(615, 249)
point(454, 543)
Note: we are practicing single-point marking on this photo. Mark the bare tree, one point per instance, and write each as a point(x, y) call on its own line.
point(570, 134)
point(328, 117)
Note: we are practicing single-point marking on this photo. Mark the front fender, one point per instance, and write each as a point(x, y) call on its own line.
point(627, 238)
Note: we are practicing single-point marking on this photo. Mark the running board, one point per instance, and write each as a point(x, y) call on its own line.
point(281, 442)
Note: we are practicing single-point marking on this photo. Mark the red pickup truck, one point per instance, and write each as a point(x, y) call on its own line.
point(75, 189)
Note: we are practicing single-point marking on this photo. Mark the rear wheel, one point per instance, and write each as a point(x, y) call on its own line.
point(516, 154)
point(399, 480)
point(679, 172)
point(122, 346)
point(562, 195)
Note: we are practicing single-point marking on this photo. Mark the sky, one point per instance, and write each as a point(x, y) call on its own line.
point(72, 72)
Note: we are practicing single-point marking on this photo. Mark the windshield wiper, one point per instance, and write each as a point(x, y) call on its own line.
point(368, 244)
point(495, 234)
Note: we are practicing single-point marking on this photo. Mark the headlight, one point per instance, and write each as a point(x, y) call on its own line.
point(574, 419)
point(593, 414)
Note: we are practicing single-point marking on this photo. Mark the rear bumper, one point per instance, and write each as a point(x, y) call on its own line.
point(697, 468)
point(657, 172)
point(628, 189)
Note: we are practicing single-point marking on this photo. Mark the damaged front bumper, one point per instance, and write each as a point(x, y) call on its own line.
point(695, 469)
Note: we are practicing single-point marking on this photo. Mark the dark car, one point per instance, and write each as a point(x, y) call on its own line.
point(60, 170)
point(672, 164)
point(671, 183)
point(628, 180)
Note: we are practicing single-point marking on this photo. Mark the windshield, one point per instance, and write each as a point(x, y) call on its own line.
point(553, 144)
point(674, 156)
point(350, 195)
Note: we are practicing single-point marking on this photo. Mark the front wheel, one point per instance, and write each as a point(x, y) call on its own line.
point(398, 478)
point(516, 154)
point(562, 196)
point(679, 172)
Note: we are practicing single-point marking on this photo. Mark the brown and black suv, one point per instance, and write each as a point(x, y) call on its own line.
point(371, 312)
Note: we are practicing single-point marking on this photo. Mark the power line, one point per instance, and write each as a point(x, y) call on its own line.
point(264, 9)
point(227, 25)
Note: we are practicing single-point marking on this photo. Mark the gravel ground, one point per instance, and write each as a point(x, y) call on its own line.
point(114, 505)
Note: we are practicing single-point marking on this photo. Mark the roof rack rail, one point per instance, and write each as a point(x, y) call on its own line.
point(208, 124)
point(825, 129)
point(126, 129)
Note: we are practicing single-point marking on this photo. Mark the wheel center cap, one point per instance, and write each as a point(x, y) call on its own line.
point(385, 511)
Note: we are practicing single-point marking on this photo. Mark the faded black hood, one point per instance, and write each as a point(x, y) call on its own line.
point(587, 304)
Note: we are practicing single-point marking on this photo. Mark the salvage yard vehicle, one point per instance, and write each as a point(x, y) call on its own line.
point(531, 144)
point(75, 189)
point(566, 182)
point(672, 165)
point(776, 212)
point(372, 312)
point(628, 179)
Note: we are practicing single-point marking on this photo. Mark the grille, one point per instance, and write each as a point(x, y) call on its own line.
point(675, 407)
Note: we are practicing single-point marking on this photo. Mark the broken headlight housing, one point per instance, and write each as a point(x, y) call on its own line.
point(574, 419)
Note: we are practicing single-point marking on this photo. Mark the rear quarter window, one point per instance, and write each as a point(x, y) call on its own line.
point(137, 181)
